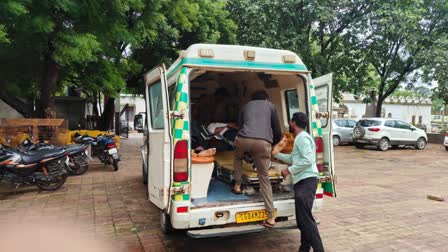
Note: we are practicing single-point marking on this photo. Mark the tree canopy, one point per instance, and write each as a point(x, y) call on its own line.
point(317, 30)
point(367, 44)
point(99, 46)
point(103, 47)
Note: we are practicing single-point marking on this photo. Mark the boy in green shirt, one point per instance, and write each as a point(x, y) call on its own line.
point(304, 172)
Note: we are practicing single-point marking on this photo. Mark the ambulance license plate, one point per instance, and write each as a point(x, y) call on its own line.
point(252, 216)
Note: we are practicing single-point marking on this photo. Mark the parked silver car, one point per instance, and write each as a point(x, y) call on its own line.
point(342, 131)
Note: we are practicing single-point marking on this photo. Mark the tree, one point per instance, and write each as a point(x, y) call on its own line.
point(99, 46)
point(43, 44)
point(316, 30)
point(437, 71)
point(398, 38)
point(420, 91)
point(186, 23)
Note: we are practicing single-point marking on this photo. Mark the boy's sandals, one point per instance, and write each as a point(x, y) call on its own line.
point(246, 191)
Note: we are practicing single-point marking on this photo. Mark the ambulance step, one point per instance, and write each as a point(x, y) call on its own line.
point(229, 231)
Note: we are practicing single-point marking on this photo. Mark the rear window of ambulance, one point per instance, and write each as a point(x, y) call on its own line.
point(368, 123)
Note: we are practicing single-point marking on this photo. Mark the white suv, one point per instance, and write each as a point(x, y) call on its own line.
point(385, 133)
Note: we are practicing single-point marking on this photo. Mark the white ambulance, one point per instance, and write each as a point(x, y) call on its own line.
point(194, 194)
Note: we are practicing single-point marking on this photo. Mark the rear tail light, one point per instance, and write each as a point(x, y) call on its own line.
point(446, 134)
point(181, 161)
point(319, 153)
point(182, 209)
point(374, 129)
point(319, 144)
point(110, 145)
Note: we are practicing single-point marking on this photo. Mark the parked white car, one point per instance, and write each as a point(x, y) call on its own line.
point(342, 131)
point(386, 133)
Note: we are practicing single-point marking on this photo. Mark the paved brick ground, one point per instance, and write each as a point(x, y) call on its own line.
point(381, 206)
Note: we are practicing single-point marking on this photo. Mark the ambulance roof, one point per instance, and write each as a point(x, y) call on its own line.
point(235, 56)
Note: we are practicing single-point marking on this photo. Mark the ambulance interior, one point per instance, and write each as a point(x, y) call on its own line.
point(212, 182)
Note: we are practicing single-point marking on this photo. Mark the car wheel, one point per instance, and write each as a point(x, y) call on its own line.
point(383, 144)
point(421, 143)
point(336, 140)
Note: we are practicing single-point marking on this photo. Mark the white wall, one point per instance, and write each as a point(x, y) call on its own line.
point(405, 112)
point(134, 101)
point(7, 112)
point(355, 110)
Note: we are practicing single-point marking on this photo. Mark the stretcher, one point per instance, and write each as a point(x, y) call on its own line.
point(225, 170)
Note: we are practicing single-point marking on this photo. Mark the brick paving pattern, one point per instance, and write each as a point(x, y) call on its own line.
point(381, 206)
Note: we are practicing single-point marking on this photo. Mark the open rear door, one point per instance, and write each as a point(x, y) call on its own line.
point(159, 139)
point(324, 95)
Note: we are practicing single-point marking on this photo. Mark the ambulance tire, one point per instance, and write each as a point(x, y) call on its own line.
point(165, 223)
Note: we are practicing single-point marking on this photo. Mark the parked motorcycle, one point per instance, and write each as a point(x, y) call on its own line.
point(103, 147)
point(77, 154)
point(46, 169)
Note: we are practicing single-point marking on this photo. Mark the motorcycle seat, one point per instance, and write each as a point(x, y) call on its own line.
point(37, 156)
point(74, 148)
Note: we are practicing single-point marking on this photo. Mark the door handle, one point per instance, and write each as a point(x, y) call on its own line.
point(323, 115)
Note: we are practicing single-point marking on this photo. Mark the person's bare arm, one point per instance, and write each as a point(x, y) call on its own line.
point(232, 126)
point(279, 146)
point(219, 129)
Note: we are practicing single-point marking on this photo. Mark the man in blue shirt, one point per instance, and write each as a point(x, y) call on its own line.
point(304, 172)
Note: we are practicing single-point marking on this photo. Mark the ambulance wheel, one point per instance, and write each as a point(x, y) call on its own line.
point(165, 223)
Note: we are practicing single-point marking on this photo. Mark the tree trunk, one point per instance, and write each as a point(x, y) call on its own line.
point(108, 115)
point(379, 106)
point(47, 107)
point(95, 105)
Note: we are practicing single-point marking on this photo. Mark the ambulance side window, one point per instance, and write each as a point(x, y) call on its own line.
point(322, 97)
point(156, 106)
point(292, 102)
point(172, 90)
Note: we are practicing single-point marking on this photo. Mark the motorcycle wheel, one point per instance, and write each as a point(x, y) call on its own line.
point(81, 165)
point(115, 164)
point(55, 184)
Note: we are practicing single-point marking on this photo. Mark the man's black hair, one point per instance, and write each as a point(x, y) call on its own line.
point(300, 119)
point(222, 92)
point(260, 95)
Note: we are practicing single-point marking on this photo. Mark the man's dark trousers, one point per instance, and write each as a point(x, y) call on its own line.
point(305, 191)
